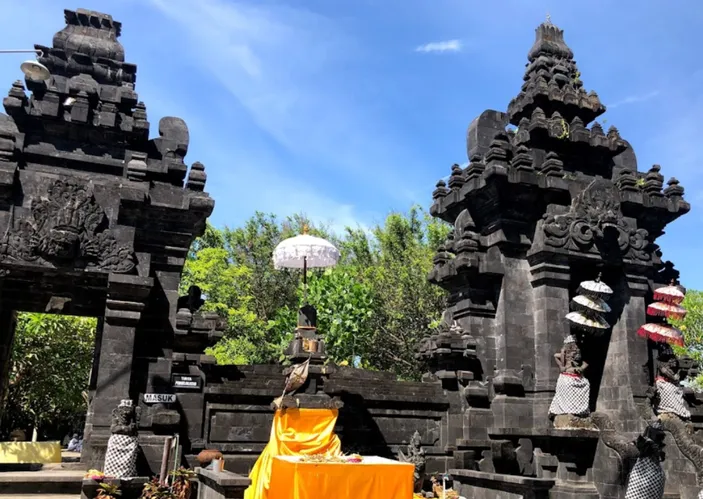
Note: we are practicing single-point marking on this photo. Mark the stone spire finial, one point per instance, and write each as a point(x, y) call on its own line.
point(549, 40)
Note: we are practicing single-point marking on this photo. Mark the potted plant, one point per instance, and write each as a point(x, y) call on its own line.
point(108, 491)
point(182, 487)
point(96, 475)
point(156, 490)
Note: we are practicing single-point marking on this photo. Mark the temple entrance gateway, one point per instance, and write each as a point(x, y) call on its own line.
point(96, 219)
point(49, 377)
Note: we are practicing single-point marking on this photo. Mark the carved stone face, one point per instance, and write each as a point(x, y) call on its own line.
point(673, 364)
point(60, 243)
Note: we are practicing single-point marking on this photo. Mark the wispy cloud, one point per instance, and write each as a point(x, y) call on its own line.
point(445, 46)
point(633, 99)
point(289, 69)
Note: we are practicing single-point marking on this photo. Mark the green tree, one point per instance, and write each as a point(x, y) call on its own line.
point(372, 308)
point(234, 268)
point(692, 328)
point(50, 367)
point(408, 305)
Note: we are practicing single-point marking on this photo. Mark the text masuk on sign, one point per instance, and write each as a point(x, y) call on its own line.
point(159, 398)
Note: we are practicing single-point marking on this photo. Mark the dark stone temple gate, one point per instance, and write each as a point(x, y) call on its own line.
point(96, 219)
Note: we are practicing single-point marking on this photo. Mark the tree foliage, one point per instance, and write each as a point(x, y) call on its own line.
point(50, 367)
point(372, 308)
point(692, 328)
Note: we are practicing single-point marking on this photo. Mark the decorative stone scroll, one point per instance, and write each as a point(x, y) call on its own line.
point(67, 227)
point(593, 213)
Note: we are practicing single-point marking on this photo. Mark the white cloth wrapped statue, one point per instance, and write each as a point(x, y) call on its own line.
point(123, 446)
point(573, 389)
point(647, 479)
point(670, 398)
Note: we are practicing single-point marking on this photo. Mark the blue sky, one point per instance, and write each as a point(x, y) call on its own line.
point(348, 109)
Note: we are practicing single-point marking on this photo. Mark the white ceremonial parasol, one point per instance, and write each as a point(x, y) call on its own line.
point(595, 324)
point(304, 252)
point(597, 288)
point(590, 305)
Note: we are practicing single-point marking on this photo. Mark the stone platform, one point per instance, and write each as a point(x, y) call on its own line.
point(43, 483)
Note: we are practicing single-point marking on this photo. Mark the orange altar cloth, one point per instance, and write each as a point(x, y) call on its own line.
point(294, 432)
point(373, 478)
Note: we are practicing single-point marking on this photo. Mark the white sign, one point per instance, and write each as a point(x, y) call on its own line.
point(159, 398)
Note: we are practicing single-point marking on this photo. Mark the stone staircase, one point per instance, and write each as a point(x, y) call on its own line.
point(50, 481)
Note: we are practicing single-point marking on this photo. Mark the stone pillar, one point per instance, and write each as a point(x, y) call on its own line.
point(550, 281)
point(126, 297)
point(625, 369)
point(513, 332)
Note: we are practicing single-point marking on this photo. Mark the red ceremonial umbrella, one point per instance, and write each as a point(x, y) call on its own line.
point(668, 310)
point(669, 294)
point(661, 333)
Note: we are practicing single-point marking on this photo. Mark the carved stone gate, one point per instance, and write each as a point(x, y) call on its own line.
point(96, 219)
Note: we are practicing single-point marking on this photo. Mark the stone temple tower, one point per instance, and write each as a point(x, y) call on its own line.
point(550, 199)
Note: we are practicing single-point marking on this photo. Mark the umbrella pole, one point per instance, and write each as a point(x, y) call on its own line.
point(305, 280)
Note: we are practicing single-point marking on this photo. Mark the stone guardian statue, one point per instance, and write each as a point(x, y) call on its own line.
point(123, 445)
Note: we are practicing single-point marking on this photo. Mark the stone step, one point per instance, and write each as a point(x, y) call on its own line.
point(43, 483)
point(43, 496)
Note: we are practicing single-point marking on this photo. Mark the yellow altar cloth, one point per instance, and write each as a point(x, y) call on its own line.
point(294, 432)
point(373, 478)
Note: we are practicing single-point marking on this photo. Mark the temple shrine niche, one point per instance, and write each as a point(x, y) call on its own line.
point(548, 202)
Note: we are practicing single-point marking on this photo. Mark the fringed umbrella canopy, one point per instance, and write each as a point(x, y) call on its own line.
point(305, 252)
point(669, 294)
point(595, 324)
point(596, 289)
point(668, 310)
point(662, 333)
point(590, 305)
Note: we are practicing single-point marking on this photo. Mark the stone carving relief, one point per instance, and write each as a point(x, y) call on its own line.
point(593, 213)
point(67, 227)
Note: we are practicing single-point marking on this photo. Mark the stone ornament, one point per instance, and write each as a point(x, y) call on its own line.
point(573, 388)
point(67, 228)
point(594, 213)
point(669, 397)
point(415, 455)
point(123, 445)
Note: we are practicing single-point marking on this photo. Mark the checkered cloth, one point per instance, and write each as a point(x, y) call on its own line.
point(646, 480)
point(571, 397)
point(671, 399)
point(121, 456)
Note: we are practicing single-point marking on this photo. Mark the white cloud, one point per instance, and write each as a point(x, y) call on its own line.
point(445, 46)
point(633, 99)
